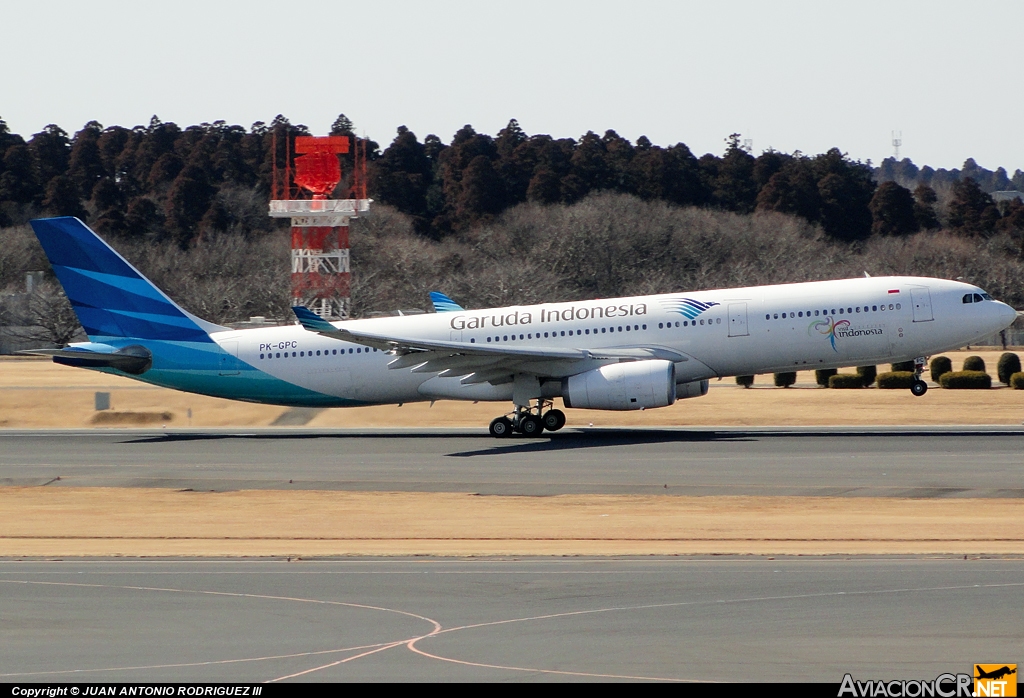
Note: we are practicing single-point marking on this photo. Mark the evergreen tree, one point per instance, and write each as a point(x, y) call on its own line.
point(402, 176)
point(343, 126)
point(62, 198)
point(892, 210)
point(51, 149)
point(846, 189)
point(187, 202)
point(85, 165)
point(19, 182)
point(482, 193)
point(924, 208)
point(793, 189)
point(734, 186)
point(971, 211)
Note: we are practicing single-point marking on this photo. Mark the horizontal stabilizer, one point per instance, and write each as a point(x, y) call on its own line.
point(134, 359)
point(444, 304)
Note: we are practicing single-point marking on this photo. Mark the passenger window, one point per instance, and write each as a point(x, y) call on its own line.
point(840, 311)
point(898, 306)
point(874, 308)
point(563, 333)
point(777, 315)
point(643, 327)
point(505, 337)
point(858, 308)
point(800, 314)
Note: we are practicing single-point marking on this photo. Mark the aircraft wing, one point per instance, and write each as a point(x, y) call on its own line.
point(464, 358)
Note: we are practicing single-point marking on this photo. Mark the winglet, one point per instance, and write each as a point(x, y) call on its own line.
point(444, 304)
point(311, 321)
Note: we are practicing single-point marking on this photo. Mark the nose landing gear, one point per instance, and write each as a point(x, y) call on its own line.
point(529, 421)
point(919, 387)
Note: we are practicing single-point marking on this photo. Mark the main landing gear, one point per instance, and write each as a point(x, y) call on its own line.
point(529, 421)
point(919, 387)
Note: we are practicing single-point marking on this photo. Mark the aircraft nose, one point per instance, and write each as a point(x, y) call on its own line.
point(1007, 314)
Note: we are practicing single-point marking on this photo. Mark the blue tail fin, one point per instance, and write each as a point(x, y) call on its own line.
point(111, 298)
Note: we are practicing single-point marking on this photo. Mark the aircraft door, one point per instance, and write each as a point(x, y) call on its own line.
point(229, 359)
point(922, 300)
point(457, 336)
point(738, 320)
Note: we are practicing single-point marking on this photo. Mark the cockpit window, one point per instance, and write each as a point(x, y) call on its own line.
point(968, 298)
point(978, 298)
point(986, 296)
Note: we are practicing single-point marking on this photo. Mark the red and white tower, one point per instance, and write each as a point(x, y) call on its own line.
point(320, 251)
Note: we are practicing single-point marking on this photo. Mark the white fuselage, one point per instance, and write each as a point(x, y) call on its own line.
point(790, 327)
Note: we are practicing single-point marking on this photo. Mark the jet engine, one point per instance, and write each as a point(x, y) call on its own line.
point(633, 385)
point(692, 389)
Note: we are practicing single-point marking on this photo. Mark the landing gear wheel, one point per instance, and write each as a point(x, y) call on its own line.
point(531, 425)
point(918, 388)
point(553, 420)
point(501, 427)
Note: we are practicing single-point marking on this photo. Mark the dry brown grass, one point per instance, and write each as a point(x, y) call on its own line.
point(40, 394)
point(146, 522)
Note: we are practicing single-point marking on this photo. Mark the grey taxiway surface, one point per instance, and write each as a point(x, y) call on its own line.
point(727, 618)
point(960, 462)
point(731, 619)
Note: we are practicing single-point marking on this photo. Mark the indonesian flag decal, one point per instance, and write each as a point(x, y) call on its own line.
point(894, 290)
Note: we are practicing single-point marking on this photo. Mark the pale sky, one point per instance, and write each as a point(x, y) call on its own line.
point(789, 75)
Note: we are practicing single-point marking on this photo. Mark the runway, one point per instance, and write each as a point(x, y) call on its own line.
point(733, 619)
point(895, 462)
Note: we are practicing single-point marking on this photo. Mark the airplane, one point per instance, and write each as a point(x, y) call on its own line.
point(995, 674)
point(633, 353)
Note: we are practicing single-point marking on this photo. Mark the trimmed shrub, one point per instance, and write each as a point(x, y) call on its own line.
point(1009, 363)
point(846, 380)
point(867, 374)
point(940, 365)
point(745, 381)
point(822, 375)
point(784, 380)
point(974, 363)
point(896, 380)
point(966, 380)
point(903, 366)
point(1017, 381)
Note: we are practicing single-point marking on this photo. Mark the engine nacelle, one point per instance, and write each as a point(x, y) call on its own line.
point(633, 385)
point(692, 389)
